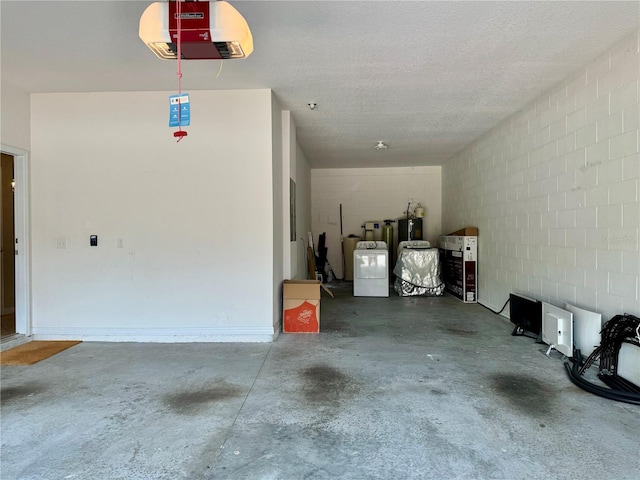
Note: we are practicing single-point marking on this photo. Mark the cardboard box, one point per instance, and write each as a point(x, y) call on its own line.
point(301, 306)
point(458, 263)
point(466, 232)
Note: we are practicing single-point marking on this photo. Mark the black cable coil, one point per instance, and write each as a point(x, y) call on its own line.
point(620, 329)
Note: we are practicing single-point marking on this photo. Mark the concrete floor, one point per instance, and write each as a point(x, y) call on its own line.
point(393, 388)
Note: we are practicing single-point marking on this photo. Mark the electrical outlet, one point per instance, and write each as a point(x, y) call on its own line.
point(120, 242)
point(61, 242)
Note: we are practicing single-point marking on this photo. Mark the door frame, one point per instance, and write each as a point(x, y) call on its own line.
point(23, 238)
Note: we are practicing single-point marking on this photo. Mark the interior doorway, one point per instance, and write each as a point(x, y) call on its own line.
point(7, 246)
point(21, 244)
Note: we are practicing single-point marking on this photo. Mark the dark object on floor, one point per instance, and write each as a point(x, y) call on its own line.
point(321, 257)
point(620, 329)
point(526, 314)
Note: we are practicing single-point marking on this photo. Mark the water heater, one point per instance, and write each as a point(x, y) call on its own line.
point(409, 229)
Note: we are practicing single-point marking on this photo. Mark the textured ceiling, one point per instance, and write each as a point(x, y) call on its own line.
point(427, 78)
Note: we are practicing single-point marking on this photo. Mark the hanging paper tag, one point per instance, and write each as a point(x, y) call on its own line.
point(179, 103)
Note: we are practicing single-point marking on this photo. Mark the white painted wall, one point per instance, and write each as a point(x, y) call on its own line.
point(554, 192)
point(303, 215)
point(188, 215)
point(15, 139)
point(15, 117)
point(371, 194)
point(288, 174)
point(296, 168)
point(279, 214)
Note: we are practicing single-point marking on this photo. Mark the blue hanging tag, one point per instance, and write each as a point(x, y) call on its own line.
point(179, 103)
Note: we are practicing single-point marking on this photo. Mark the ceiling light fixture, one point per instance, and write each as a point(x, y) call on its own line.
point(381, 145)
point(312, 105)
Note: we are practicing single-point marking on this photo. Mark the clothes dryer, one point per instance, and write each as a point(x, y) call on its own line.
point(371, 269)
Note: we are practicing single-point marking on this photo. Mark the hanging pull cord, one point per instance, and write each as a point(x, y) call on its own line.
point(180, 134)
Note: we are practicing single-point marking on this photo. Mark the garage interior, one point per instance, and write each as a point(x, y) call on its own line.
point(166, 259)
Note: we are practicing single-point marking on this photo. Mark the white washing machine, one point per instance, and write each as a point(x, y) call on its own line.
point(371, 269)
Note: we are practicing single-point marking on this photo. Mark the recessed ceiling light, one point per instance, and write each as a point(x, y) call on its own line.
point(381, 145)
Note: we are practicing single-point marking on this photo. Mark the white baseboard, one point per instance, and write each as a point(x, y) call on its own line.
point(157, 335)
point(277, 330)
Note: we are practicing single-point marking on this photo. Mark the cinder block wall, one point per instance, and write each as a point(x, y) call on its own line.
point(554, 191)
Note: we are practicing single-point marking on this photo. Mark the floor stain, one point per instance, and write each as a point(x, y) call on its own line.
point(188, 402)
point(461, 332)
point(344, 323)
point(324, 384)
point(17, 394)
point(437, 391)
point(526, 394)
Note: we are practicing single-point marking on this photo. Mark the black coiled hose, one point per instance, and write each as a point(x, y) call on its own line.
point(611, 394)
point(620, 329)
